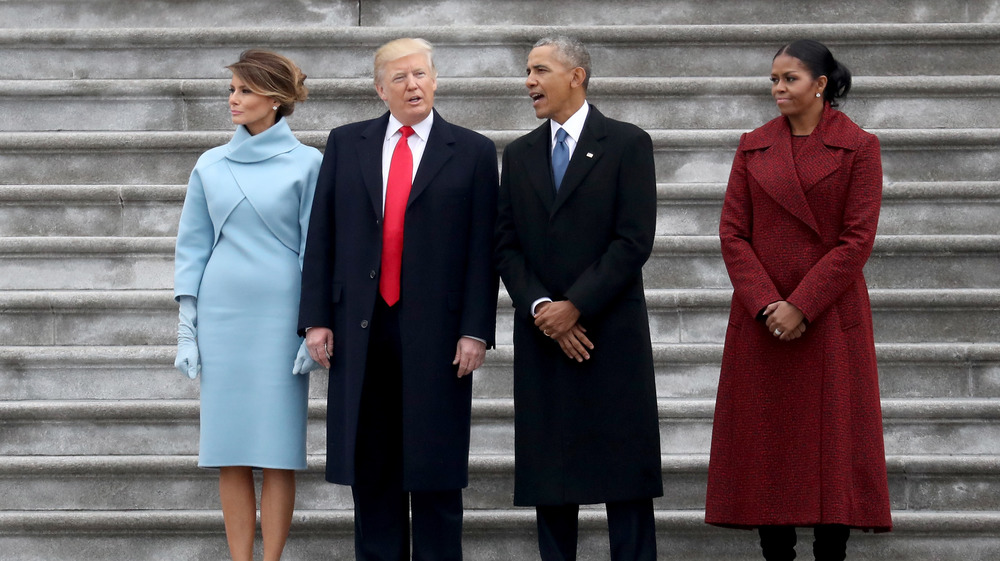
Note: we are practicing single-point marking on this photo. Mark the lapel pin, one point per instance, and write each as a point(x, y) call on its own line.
point(590, 154)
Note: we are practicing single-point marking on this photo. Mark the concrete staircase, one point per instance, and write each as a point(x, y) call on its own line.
point(105, 105)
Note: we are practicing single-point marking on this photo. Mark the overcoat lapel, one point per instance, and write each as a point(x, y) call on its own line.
point(538, 162)
point(588, 151)
point(774, 170)
point(439, 149)
point(370, 160)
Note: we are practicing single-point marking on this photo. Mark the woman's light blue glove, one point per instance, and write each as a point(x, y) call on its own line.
point(304, 363)
point(188, 361)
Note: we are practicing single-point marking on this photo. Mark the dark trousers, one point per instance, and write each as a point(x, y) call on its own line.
point(830, 542)
point(631, 529)
point(381, 505)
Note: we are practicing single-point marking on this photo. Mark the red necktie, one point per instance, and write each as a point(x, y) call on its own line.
point(397, 192)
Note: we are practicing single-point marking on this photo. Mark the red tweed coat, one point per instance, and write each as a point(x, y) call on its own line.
point(797, 438)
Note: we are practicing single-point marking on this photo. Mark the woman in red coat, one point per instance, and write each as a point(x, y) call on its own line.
point(797, 439)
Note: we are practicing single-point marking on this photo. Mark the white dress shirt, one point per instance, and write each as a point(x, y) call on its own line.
point(573, 126)
point(417, 142)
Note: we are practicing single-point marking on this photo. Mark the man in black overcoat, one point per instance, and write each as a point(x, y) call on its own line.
point(571, 242)
point(401, 345)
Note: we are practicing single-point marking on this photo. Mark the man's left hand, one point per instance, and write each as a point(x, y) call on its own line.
point(469, 355)
point(556, 319)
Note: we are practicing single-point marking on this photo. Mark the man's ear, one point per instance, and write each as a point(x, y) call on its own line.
point(579, 75)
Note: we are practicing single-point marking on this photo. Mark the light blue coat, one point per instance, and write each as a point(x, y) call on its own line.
point(239, 250)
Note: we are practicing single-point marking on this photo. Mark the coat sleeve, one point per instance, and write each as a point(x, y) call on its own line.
point(195, 240)
point(305, 207)
point(752, 285)
point(521, 282)
point(842, 266)
point(634, 230)
point(317, 263)
point(479, 309)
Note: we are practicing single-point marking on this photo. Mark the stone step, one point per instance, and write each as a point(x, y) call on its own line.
point(488, 535)
point(685, 209)
point(617, 50)
point(101, 483)
point(682, 156)
point(170, 427)
point(30, 14)
point(222, 13)
point(149, 317)
point(42, 263)
point(932, 208)
point(955, 370)
point(90, 210)
point(495, 103)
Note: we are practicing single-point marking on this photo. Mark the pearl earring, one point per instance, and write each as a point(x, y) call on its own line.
point(818, 94)
point(275, 108)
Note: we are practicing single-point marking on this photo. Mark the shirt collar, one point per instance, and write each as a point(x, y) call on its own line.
point(573, 125)
point(421, 129)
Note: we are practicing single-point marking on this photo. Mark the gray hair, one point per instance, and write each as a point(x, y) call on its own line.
point(572, 52)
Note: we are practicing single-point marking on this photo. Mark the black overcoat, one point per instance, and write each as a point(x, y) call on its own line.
point(448, 288)
point(584, 433)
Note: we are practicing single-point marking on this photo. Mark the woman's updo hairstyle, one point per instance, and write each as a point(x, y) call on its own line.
point(272, 75)
point(820, 62)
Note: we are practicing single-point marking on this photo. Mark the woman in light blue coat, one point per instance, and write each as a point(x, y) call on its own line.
point(240, 243)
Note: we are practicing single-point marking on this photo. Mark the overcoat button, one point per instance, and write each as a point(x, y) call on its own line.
point(371, 275)
point(364, 324)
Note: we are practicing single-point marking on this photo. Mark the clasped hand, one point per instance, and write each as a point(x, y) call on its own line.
point(784, 320)
point(560, 322)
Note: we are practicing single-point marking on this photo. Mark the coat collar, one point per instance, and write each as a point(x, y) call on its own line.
point(588, 152)
point(439, 149)
point(775, 171)
point(369, 149)
point(538, 158)
point(246, 148)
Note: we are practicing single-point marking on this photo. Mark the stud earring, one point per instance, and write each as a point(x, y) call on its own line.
point(818, 94)
point(275, 108)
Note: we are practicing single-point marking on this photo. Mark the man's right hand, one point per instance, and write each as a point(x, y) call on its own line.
point(319, 341)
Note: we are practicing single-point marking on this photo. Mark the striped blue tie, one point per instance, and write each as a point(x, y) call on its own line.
point(560, 157)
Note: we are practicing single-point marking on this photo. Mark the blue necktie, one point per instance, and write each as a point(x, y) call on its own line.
point(560, 157)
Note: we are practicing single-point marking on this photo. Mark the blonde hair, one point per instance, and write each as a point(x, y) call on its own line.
point(397, 49)
point(272, 75)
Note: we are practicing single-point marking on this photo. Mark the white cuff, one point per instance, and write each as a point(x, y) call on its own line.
point(537, 302)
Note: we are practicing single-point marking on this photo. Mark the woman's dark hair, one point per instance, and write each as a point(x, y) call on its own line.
point(820, 62)
point(272, 75)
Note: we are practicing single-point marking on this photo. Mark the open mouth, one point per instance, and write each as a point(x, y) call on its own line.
point(414, 100)
point(536, 97)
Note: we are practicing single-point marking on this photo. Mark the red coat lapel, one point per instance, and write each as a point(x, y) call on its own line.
point(769, 161)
